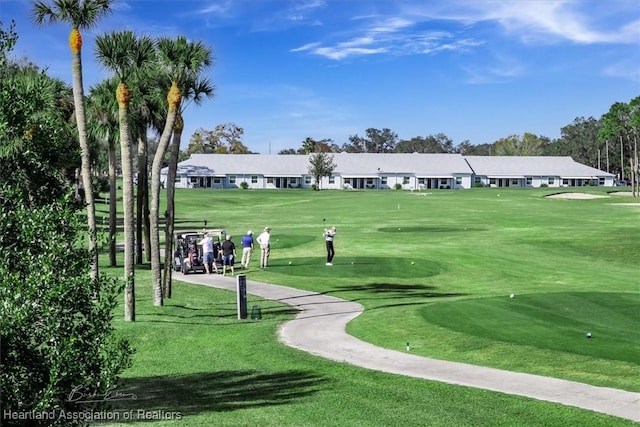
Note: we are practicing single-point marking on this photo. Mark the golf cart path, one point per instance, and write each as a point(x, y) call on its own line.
point(319, 328)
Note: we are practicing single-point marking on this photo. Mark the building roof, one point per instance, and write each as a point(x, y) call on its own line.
point(352, 164)
point(519, 166)
point(388, 164)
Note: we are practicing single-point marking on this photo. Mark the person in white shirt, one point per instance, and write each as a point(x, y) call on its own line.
point(208, 256)
point(265, 247)
point(329, 235)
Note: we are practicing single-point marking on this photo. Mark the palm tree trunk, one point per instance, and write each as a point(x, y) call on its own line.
point(140, 197)
point(127, 202)
point(81, 122)
point(154, 217)
point(112, 201)
point(170, 216)
point(173, 97)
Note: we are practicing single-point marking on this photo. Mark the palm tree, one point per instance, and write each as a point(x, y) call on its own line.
point(103, 111)
point(196, 90)
point(149, 110)
point(182, 60)
point(125, 54)
point(81, 14)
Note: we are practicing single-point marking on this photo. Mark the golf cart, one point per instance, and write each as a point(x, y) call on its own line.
point(188, 256)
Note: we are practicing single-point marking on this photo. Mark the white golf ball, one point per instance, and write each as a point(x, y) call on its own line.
point(512, 295)
point(290, 263)
point(412, 263)
point(588, 334)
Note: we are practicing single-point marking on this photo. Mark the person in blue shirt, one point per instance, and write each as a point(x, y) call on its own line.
point(329, 235)
point(247, 249)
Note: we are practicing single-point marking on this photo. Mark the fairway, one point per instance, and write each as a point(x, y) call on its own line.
point(436, 270)
point(444, 262)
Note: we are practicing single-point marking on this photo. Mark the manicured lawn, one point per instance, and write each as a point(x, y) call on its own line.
point(434, 269)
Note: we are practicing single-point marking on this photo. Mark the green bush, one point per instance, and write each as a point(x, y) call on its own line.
point(244, 185)
point(398, 186)
point(100, 184)
point(58, 343)
point(314, 187)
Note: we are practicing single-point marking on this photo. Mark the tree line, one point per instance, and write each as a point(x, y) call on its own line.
point(608, 143)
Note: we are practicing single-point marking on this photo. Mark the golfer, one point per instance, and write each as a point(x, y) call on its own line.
point(264, 240)
point(329, 235)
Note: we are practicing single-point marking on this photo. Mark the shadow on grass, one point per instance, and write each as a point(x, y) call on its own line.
point(394, 290)
point(222, 391)
point(416, 294)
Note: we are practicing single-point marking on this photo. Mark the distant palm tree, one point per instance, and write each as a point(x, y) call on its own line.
point(80, 14)
point(182, 60)
point(125, 54)
point(103, 112)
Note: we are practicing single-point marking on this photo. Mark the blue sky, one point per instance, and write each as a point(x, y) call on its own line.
point(473, 70)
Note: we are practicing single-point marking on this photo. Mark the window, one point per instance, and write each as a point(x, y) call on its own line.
point(515, 182)
point(458, 180)
point(493, 181)
point(601, 181)
point(369, 181)
point(405, 180)
point(270, 180)
point(421, 180)
point(232, 179)
point(332, 179)
point(529, 181)
point(217, 180)
point(307, 179)
point(477, 180)
point(294, 180)
point(551, 180)
point(444, 181)
point(254, 179)
point(565, 181)
point(384, 180)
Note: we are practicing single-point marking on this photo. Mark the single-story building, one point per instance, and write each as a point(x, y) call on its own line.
point(409, 171)
point(535, 171)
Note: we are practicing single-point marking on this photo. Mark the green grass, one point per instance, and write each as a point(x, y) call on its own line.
point(572, 265)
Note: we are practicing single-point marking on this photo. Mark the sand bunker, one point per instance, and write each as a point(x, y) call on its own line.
point(576, 196)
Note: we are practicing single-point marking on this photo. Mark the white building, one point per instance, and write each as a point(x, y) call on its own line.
point(413, 171)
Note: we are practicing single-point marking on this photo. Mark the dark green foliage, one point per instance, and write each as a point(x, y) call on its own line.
point(244, 185)
point(101, 184)
point(321, 164)
point(37, 149)
point(56, 333)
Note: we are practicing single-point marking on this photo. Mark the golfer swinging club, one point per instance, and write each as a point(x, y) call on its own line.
point(329, 235)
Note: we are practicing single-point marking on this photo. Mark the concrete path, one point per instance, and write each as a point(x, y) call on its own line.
point(319, 328)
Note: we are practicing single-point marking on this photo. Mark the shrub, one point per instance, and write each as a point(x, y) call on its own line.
point(244, 185)
point(314, 187)
point(56, 330)
point(398, 186)
point(544, 185)
point(100, 184)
